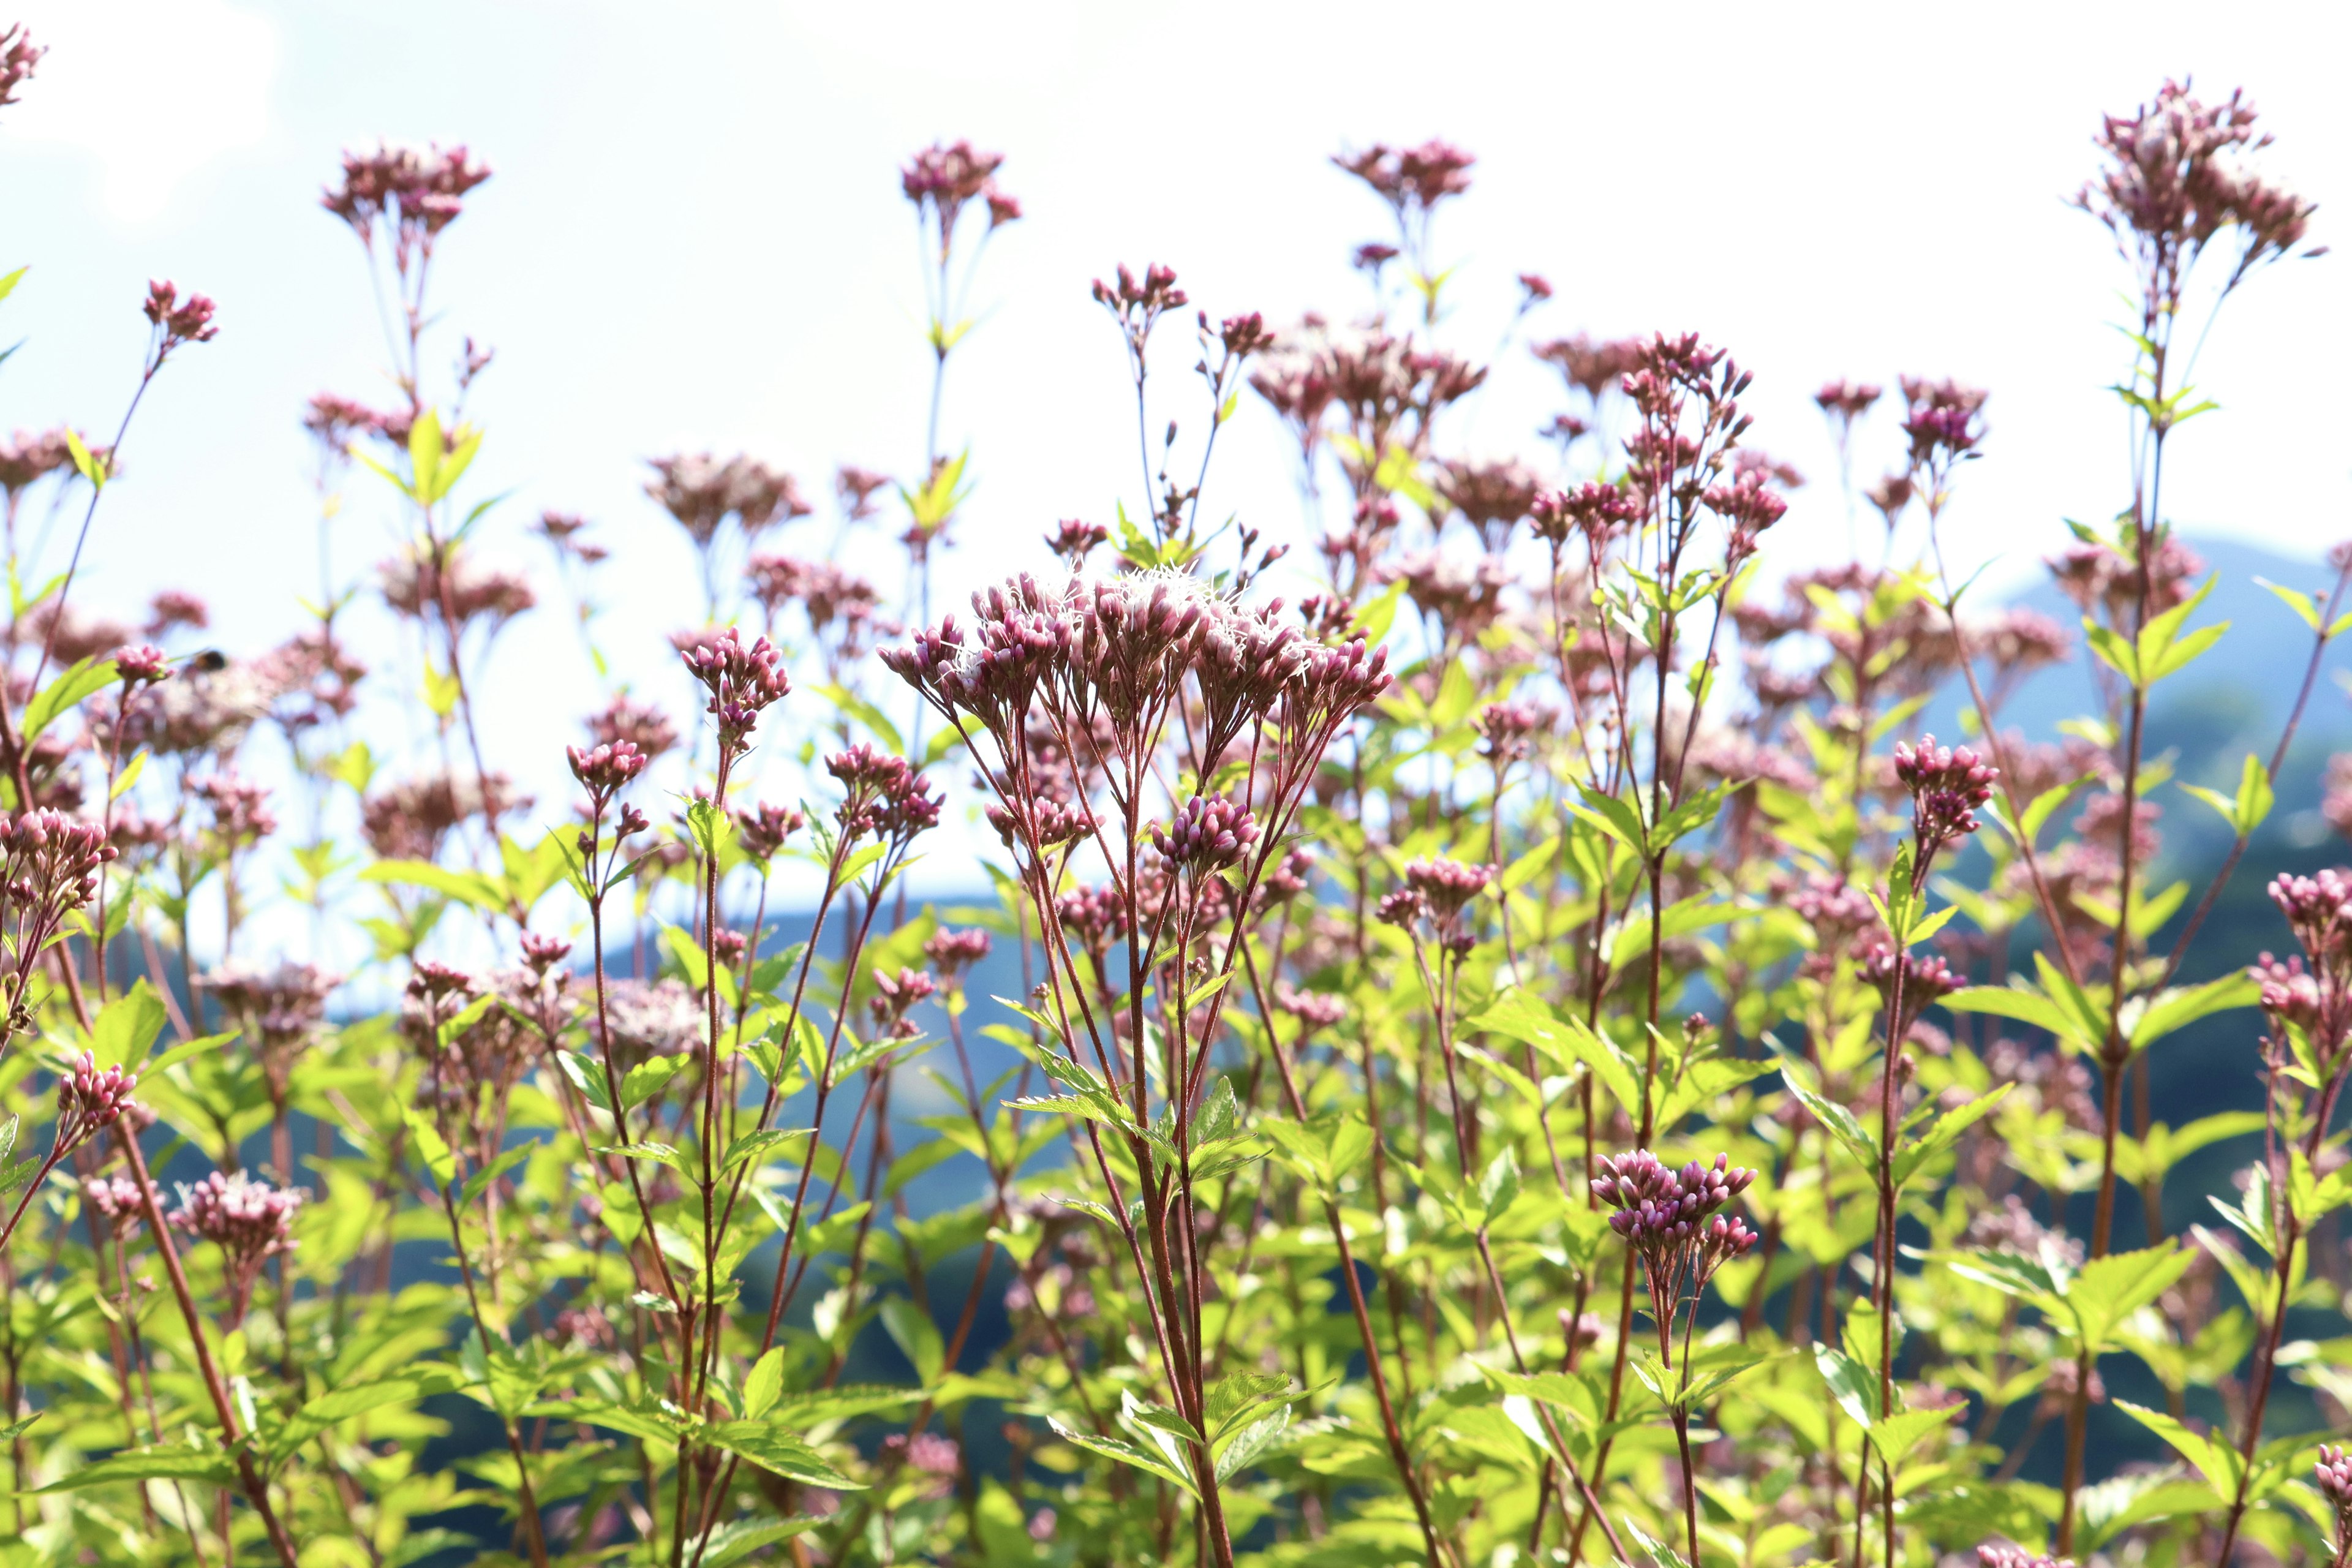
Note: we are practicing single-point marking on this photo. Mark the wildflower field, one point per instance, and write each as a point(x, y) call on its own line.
point(1481, 1028)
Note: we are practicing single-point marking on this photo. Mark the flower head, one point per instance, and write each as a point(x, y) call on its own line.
point(604, 770)
point(742, 682)
point(1673, 1220)
point(18, 56)
point(90, 1099)
point(250, 1221)
point(1946, 785)
point(1207, 835)
point(178, 321)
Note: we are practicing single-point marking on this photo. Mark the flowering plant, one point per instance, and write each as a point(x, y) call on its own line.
point(1358, 1014)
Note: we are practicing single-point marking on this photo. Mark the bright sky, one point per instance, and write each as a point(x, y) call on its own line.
point(694, 239)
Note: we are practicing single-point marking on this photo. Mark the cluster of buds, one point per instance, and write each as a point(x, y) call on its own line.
point(1747, 505)
point(895, 996)
point(541, 953)
point(177, 321)
point(1598, 512)
point(1918, 981)
point(1208, 835)
point(1073, 540)
point(742, 681)
point(29, 457)
point(1506, 729)
point(250, 1221)
point(702, 492)
point(1239, 336)
point(1942, 419)
point(18, 56)
point(1489, 497)
point(762, 829)
point(432, 980)
point(1313, 1009)
point(1138, 306)
point(116, 1200)
point(49, 866)
point(2001, 1555)
point(1244, 662)
point(1595, 368)
point(1946, 785)
point(421, 189)
point(1672, 1220)
point(604, 770)
point(1846, 401)
point(281, 1010)
point(1439, 892)
point(856, 488)
point(943, 178)
point(140, 664)
point(1412, 181)
point(2332, 1474)
point(240, 809)
point(953, 952)
point(1050, 821)
point(642, 724)
point(2312, 994)
point(89, 1100)
point(930, 1456)
point(2177, 179)
point(1286, 879)
point(1096, 916)
point(824, 591)
point(883, 794)
point(2319, 909)
point(1121, 647)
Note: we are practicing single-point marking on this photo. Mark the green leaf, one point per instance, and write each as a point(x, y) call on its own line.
point(148, 1465)
point(649, 1077)
point(1852, 1385)
point(425, 449)
point(2111, 1288)
point(2218, 1462)
point(1944, 1133)
point(1376, 615)
point(2245, 811)
point(430, 1147)
point(586, 1075)
point(2070, 1013)
point(187, 1050)
point(480, 1182)
point(85, 461)
point(1252, 1443)
point(1841, 1122)
point(470, 887)
point(752, 1145)
point(2180, 1007)
point(1617, 819)
point(773, 1448)
point(917, 1337)
point(129, 777)
point(763, 1383)
point(1897, 1435)
point(77, 681)
point(1125, 1453)
point(2306, 608)
point(1499, 1187)
point(340, 1404)
point(126, 1027)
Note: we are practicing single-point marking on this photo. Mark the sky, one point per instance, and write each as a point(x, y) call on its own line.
point(694, 240)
